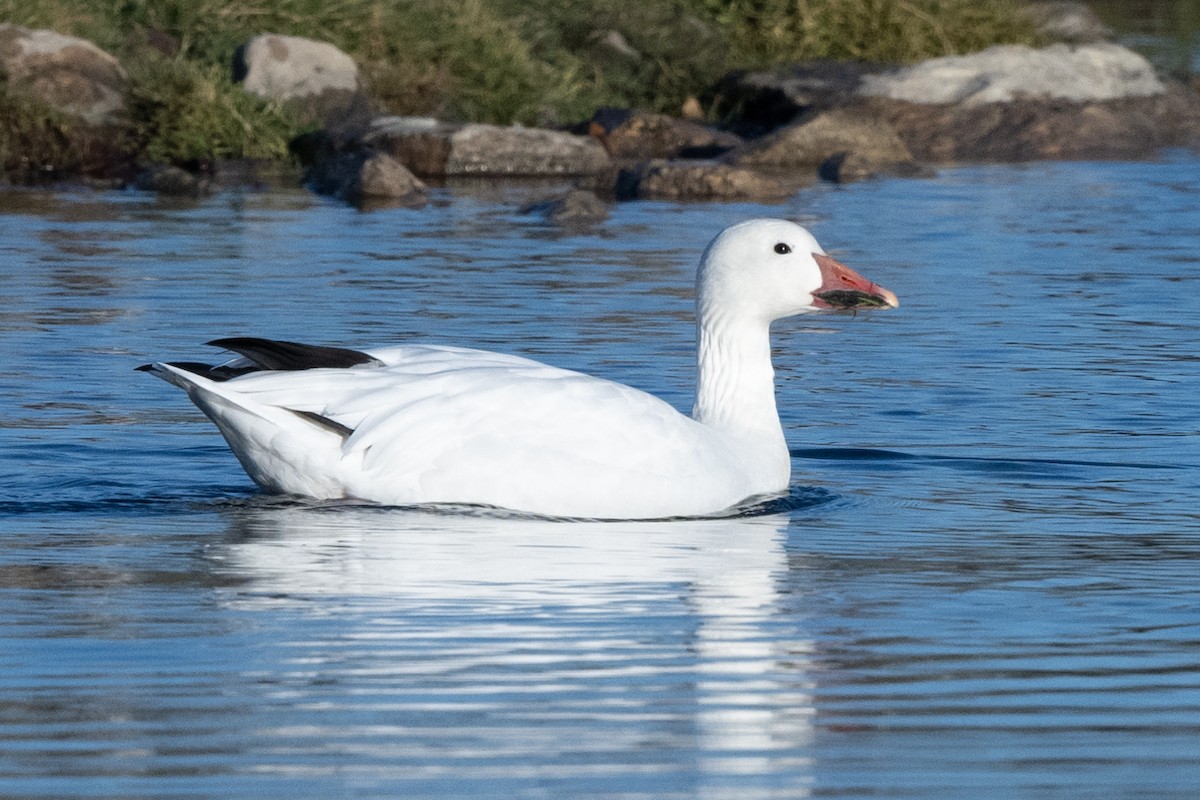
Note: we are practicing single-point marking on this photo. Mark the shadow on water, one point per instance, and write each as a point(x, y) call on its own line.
point(990, 465)
point(798, 498)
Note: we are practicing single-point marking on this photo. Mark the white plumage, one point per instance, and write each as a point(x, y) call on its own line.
point(430, 425)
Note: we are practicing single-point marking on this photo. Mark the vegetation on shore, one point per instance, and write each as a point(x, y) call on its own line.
point(530, 61)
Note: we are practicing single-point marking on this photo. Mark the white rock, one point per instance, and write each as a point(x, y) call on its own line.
point(282, 68)
point(1102, 71)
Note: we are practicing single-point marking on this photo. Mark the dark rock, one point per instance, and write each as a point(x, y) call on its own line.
point(68, 74)
point(574, 207)
point(757, 102)
point(631, 134)
point(316, 80)
point(419, 143)
point(364, 176)
point(692, 180)
point(172, 181)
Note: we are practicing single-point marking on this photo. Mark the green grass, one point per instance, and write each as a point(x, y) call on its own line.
point(529, 61)
point(190, 111)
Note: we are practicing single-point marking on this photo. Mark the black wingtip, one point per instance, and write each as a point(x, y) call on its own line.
point(283, 355)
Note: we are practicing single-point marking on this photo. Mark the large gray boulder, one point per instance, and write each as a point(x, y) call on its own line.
point(66, 73)
point(1001, 74)
point(314, 79)
point(1041, 128)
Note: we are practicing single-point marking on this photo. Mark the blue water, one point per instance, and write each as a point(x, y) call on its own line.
point(984, 582)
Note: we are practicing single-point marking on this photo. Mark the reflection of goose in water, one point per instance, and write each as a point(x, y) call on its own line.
point(658, 629)
point(435, 425)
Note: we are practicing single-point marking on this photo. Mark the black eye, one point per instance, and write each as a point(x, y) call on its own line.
point(782, 249)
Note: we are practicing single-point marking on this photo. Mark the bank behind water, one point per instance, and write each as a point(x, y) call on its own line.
point(185, 113)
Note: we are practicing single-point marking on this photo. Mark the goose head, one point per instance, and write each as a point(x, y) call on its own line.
point(766, 269)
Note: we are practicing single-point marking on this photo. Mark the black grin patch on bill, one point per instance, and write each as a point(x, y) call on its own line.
point(849, 298)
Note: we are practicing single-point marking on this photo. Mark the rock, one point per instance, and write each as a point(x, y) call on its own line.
point(366, 177)
point(420, 143)
point(575, 207)
point(691, 180)
point(172, 181)
point(1025, 130)
point(68, 74)
point(631, 134)
point(851, 168)
point(762, 101)
point(518, 151)
point(383, 177)
point(315, 79)
point(434, 149)
point(692, 110)
point(821, 135)
point(1003, 73)
point(1068, 21)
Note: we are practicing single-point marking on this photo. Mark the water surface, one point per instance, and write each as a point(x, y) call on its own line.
point(983, 582)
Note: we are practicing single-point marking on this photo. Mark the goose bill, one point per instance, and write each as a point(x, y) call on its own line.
point(842, 287)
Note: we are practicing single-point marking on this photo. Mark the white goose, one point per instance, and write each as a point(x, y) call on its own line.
point(423, 424)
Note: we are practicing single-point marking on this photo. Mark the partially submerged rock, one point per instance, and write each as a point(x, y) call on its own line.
point(692, 180)
point(367, 177)
point(576, 206)
point(821, 135)
point(1004, 73)
point(851, 168)
point(172, 181)
point(433, 149)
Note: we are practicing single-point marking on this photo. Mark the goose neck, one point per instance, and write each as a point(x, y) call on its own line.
point(735, 381)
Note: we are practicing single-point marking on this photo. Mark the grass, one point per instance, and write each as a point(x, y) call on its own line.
point(529, 61)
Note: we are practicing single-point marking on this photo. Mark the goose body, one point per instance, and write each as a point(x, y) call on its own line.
point(424, 424)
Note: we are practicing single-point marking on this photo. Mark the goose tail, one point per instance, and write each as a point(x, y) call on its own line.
point(283, 450)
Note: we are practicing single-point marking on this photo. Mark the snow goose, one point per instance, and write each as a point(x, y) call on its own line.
point(423, 424)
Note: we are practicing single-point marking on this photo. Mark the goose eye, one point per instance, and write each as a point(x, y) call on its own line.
point(782, 249)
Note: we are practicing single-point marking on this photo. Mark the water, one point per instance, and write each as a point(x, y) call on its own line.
point(983, 583)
